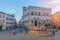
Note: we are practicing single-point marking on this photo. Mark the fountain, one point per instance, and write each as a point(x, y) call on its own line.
point(39, 32)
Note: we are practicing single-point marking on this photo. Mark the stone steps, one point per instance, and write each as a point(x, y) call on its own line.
point(38, 34)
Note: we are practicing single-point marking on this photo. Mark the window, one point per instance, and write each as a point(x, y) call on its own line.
point(44, 14)
point(35, 13)
point(43, 21)
point(6, 18)
point(47, 14)
point(3, 16)
point(3, 21)
point(32, 13)
point(39, 14)
point(47, 20)
point(9, 23)
point(0, 16)
point(39, 23)
point(27, 13)
point(0, 20)
point(31, 21)
point(9, 19)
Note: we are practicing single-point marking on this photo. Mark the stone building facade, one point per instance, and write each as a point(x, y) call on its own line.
point(36, 16)
point(56, 19)
point(7, 20)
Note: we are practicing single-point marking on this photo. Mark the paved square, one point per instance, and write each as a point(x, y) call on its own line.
point(20, 36)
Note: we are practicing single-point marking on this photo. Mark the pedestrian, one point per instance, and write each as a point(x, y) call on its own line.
point(53, 32)
point(14, 33)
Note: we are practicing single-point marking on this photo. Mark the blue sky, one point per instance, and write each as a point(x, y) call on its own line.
point(15, 6)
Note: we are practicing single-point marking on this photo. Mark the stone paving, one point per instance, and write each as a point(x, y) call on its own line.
point(20, 36)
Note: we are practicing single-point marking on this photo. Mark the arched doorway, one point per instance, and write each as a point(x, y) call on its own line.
point(35, 22)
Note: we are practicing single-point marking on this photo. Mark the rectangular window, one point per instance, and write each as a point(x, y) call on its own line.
point(39, 14)
point(3, 21)
point(35, 13)
point(44, 14)
point(31, 21)
point(32, 13)
point(0, 16)
point(47, 14)
point(0, 20)
point(3, 16)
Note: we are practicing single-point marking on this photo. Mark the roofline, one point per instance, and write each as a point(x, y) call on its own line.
point(40, 6)
point(6, 14)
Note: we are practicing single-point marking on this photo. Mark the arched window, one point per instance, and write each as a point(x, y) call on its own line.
point(39, 14)
point(35, 13)
point(32, 13)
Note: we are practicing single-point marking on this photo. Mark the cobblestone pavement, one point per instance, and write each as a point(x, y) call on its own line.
point(20, 36)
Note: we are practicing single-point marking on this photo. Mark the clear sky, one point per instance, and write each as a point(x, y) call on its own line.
point(15, 6)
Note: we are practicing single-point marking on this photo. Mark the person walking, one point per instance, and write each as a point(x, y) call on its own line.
point(53, 32)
